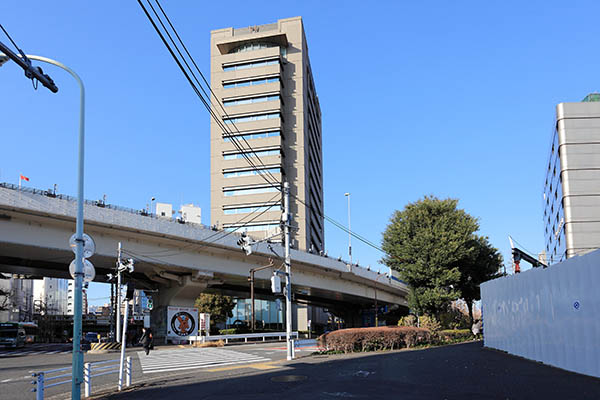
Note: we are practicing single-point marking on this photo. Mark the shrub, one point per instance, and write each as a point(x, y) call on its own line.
point(216, 343)
point(231, 331)
point(372, 339)
point(409, 320)
point(455, 335)
point(430, 323)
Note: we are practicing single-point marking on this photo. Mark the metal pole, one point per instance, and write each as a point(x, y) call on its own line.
point(288, 277)
point(39, 389)
point(118, 321)
point(128, 375)
point(87, 380)
point(253, 320)
point(123, 344)
point(112, 308)
point(349, 230)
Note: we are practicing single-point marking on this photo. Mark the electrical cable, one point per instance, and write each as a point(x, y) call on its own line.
point(222, 125)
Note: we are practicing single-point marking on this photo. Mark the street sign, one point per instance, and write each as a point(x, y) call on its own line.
point(182, 322)
point(89, 273)
point(89, 247)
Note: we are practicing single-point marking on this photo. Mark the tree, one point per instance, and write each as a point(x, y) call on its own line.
point(218, 306)
point(426, 243)
point(484, 264)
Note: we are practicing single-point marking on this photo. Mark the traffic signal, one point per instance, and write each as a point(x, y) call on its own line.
point(245, 244)
point(516, 255)
point(130, 290)
point(149, 303)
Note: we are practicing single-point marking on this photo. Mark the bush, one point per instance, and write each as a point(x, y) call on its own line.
point(409, 320)
point(231, 331)
point(455, 335)
point(373, 339)
point(430, 323)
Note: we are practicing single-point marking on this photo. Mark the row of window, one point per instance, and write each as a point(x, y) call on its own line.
point(254, 64)
point(259, 117)
point(251, 100)
point(257, 135)
point(251, 46)
point(251, 172)
point(245, 191)
point(253, 228)
point(249, 82)
point(244, 210)
point(256, 153)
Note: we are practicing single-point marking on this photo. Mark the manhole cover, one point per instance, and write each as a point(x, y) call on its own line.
point(289, 378)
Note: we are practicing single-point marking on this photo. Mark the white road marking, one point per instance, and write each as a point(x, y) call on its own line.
point(184, 359)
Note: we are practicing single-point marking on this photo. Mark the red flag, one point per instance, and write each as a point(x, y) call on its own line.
point(23, 177)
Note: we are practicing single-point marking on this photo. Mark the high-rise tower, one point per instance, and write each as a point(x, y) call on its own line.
point(262, 77)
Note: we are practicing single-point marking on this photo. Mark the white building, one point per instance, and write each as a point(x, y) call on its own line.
point(50, 296)
point(19, 299)
point(71, 299)
point(191, 213)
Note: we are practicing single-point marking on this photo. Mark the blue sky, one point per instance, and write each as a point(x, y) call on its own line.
point(454, 99)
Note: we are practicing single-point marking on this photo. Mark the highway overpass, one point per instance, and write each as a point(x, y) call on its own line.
point(180, 260)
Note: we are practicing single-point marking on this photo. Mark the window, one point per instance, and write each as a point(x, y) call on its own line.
point(256, 153)
point(244, 210)
point(250, 100)
point(250, 82)
point(252, 228)
point(249, 118)
point(257, 135)
point(254, 64)
point(251, 190)
point(251, 46)
point(252, 172)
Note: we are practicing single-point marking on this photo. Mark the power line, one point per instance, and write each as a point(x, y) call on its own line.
point(218, 121)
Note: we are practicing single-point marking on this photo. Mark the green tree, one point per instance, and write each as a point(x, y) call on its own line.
point(483, 264)
point(426, 243)
point(218, 306)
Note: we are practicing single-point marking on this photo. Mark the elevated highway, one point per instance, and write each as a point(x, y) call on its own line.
point(179, 260)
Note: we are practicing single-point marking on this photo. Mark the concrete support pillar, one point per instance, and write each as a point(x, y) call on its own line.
point(181, 294)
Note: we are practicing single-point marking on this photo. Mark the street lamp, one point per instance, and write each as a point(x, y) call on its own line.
point(349, 229)
point(77, 353)
point(152, 201)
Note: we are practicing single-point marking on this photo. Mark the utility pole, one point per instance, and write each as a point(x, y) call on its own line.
point(349, 229)
point(118, 321)
point(288, 277)
point(251, 279)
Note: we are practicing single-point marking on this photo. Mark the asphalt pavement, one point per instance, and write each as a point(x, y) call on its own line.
point(465, 371)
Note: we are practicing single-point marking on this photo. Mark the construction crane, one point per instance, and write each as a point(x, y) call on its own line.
point(518, 255)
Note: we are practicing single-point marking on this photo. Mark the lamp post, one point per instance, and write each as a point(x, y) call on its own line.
point(77, 353)
point(151, 204)
point(349, 229)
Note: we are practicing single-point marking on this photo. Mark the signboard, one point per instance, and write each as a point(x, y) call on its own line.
point(182, 322)
point(205, 323)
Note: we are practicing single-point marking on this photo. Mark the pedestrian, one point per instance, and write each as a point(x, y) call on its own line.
point(146, 339)
point(476, 328)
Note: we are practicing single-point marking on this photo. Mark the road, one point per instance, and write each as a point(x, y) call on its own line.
point(465, 371)
point(166, 362)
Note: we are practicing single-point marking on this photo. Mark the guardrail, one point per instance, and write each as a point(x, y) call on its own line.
point(244, 336)
point(103, 367)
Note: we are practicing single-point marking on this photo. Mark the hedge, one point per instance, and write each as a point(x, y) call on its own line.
point(455, 335)
point(372, 339)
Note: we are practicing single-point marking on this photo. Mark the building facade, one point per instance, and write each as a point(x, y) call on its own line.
point(16, 303)
point(50, 296)
point(572, 183)
point(71, 299)
point(267, 101)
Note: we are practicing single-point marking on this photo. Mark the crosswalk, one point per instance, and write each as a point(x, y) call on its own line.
point(26, 352)
point(184, 359)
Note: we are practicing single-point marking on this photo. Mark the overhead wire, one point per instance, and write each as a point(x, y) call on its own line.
point(218, 121)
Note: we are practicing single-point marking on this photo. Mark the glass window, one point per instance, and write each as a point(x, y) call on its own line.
point(252, 172)
point(249, 118)
point(250, 82)
point(258, 153)
point(252, 228)
point(245, 210)
point(245, 191)
point(250, 100)
point(258, 135)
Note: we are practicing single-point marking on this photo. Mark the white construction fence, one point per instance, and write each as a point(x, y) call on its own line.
point(550, 315)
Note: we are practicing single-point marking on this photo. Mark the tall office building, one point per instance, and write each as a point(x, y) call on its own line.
point(262, 77)
point(50, 296)
point(572, 186)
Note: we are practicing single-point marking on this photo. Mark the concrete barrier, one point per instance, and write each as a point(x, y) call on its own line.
point(100, 348)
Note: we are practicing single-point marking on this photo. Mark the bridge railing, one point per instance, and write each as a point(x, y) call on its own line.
point(47, 379)
point(242, 336)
